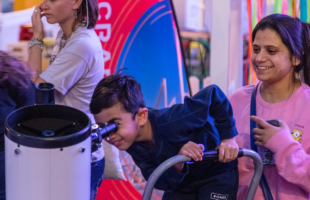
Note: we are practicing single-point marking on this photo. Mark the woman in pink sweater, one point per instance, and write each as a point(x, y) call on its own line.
point(281, 61)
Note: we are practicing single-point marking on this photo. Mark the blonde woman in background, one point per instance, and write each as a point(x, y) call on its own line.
point(76, 65)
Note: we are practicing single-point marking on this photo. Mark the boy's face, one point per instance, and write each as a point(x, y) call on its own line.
point(128, 128)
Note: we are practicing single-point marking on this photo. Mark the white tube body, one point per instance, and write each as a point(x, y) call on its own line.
point(49, 174)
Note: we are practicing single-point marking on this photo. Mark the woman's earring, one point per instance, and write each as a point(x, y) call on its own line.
point(87, 20)
point(108, 138)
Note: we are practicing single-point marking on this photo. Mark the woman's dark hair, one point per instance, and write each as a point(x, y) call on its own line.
point(294, 34)
point(93, 12)
point(118, 87)
point(14, 71)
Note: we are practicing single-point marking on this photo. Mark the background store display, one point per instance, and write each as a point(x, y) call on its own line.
point(20, 49)
point(7, 5)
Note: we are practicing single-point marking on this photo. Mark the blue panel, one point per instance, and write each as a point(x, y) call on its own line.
point(151, 53)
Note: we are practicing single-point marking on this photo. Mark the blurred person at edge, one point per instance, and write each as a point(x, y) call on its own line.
point(76, 64)
point(16, 91)
point(280, 60)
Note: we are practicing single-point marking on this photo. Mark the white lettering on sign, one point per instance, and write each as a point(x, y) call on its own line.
point(105, 28)
point(109, 10)
point(106, 55)
point(104, 38)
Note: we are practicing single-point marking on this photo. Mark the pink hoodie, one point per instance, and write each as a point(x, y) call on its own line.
point(289, 178)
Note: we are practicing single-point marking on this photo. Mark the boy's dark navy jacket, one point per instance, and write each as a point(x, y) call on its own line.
point(206, 118)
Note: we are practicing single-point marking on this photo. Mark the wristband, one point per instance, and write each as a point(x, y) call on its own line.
point(36, 41)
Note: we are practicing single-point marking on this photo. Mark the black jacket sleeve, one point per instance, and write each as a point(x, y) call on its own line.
point(207, 105)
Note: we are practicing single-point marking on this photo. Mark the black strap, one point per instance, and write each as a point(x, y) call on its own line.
point(263, 181)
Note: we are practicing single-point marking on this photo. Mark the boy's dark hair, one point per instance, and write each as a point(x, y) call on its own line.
point(116, 88)
point(294, 34)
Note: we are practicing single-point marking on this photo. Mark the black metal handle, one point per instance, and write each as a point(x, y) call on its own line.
point(214, 155)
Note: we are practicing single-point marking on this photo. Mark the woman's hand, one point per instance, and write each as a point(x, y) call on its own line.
point(228, 150)
point(37, 25)
point(262, 135)
point(190, 149)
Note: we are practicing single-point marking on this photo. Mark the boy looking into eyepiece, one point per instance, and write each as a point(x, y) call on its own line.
point(151, 136)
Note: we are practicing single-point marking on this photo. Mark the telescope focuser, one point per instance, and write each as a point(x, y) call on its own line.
point(101, 131)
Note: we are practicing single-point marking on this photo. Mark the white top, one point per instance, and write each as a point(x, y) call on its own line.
point(76, 71)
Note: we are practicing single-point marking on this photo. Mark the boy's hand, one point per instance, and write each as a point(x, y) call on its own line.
point(228, 150)
point(192, 150)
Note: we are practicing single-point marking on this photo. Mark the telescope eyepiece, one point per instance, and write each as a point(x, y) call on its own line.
point(99, 132)
point(106, 129)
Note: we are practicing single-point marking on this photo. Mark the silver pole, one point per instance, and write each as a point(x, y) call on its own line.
point(257, 174)
point(180, 158)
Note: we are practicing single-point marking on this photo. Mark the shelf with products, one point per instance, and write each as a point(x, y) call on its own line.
point(195, 35)
point(196, 47)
